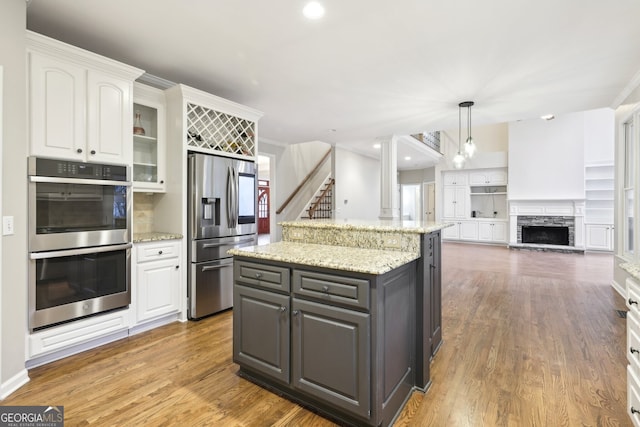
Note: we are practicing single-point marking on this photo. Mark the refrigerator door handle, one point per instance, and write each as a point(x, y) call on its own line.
point(230, 201)
point(235, 198)
point(192, 196)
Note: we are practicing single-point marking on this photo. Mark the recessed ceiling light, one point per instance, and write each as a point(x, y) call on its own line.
point(548, 117)
point(313, 10)
point(407, 158)
point(376, 145)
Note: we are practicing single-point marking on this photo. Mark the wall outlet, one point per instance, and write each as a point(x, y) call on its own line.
point(7, 225)
point(296, 234)
point(392, 241)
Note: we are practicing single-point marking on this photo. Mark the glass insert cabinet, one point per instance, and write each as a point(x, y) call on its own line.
point(148, 139)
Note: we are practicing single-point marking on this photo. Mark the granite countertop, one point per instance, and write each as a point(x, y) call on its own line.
point(155, 236)
point(631, 268)
point(370, 261)
point(392, 225)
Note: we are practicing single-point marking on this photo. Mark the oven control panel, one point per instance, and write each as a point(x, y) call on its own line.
point(69, 169)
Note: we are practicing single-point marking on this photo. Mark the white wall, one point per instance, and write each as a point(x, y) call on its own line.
point(599, 136)
point(357, 191)
point(13, 279)
point(546, 158)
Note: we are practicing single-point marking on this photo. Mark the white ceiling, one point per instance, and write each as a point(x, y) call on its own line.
point(370, 68)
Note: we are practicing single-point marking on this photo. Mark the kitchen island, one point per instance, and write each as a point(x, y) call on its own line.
point(338, 315)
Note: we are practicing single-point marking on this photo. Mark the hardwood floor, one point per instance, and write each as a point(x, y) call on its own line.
point(530, 339)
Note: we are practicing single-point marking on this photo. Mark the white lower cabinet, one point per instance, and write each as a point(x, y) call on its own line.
point(492, 232)
point(599, 237)
point(633, 351)
point(477, 231)
point(157, 286)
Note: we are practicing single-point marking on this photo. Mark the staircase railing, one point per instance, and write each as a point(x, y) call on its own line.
point(430, 139)
point(303, 183)
point(320, 202)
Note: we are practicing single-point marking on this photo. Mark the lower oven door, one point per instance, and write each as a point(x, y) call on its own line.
point(69, 284)
point(210, 287)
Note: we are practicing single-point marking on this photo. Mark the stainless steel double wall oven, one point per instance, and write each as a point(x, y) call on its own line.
point(79, 240)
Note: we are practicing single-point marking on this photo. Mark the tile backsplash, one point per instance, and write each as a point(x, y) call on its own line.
point(143, 213)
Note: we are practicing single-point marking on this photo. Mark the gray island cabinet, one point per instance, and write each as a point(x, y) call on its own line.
point(348, 331)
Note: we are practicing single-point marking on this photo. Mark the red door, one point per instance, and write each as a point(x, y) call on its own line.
point(263, 209)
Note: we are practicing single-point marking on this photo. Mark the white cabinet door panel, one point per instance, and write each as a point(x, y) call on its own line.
point(57, 107)
point(110, 119)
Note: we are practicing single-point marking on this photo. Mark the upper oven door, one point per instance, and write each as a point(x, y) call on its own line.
point(71, 213)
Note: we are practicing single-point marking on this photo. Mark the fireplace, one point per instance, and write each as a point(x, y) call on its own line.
point(551, 221)
point(546, 230)
point(545, 235)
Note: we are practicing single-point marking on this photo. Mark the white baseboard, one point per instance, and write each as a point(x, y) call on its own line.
point(620, 289)
point(14, 383)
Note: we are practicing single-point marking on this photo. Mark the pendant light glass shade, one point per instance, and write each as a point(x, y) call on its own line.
point(469, 148)
point(458, 161)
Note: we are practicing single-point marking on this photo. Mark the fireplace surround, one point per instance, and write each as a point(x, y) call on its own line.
point(547, 224)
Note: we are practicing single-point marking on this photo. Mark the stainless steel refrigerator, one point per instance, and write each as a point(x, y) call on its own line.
point(222, 214)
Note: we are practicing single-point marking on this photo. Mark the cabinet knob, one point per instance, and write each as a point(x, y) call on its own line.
point(159, 252)
point(177, 266)
point(295, 312)
point(634, 411)
point(93, 151)
point(79, 150)
point(162, 181)
point(631, 302)
point(325, 289)
point(634, 350)
point(258, 275)
point(283, 309)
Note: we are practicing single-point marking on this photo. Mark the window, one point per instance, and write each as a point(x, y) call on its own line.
point(629, 190)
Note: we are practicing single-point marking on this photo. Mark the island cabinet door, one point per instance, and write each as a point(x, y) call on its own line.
point(261, 331)
point(331, 355)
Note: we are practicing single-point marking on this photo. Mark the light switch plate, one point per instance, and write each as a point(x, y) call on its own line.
point(7, 225)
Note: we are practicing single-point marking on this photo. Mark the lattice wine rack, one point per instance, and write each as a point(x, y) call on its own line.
point(213, 130)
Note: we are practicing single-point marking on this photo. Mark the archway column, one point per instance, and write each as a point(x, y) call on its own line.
point(389, 203)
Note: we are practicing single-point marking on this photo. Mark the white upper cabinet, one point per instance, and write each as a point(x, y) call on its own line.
point(455, 178)
point(57, 104)
point(488, 177)
point(149, 149)
point(80, 103)
point(110, 118)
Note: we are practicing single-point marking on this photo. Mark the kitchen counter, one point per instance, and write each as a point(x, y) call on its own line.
point(154, 236)
point(631, 268)
point(370, 261)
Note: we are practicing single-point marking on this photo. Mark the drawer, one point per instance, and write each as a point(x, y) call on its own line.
point(633, 342)
point(157, 250)
point(262, 275)
point(633, 296)
point(633, 397)
point(330, 288)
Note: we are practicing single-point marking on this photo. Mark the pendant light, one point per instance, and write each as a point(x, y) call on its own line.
point(458, 159)
point(469, 145)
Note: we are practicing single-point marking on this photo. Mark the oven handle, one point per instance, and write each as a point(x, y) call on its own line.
point(82, 251)
point(55, 180)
